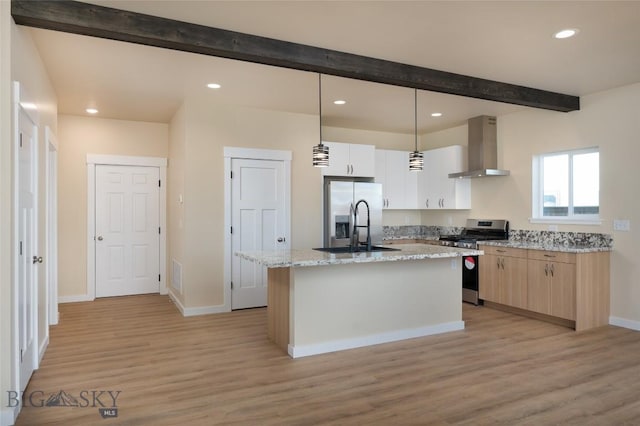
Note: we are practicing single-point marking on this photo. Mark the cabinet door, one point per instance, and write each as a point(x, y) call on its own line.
point(381, 173)
point(514, 273)
point(563, 290)
point(538, 287)
point(362, 159)
point(397, 169)
point(427, 183)
point(435, 189)
point(489, 278)
point(339, 164)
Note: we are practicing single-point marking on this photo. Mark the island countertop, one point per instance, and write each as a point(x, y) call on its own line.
point(310, 257)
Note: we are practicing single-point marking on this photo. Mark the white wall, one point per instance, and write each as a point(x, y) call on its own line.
point(196, 167)
point(609, 120)
point(77, 137)
point(6, 130)
point(21, 62)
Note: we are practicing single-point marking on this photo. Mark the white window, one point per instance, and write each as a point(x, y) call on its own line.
point(566, 186)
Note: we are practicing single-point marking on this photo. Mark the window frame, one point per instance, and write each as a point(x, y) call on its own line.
point(537, 191)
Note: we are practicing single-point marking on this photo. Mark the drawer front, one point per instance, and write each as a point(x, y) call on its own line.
point(552, 256)
point(504, 251)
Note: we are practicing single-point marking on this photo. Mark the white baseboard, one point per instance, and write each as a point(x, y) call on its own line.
point(8, 415)
point(43, 349)
point(75, 298)
point(200, 310)
point(375, 339)
point(622, 322)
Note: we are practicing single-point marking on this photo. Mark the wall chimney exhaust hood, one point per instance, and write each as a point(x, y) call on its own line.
point(482, 149)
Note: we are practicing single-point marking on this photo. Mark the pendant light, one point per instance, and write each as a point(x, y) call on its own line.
point(320, 151)
point(416, 161)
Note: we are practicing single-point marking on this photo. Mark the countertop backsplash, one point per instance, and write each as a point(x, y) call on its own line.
point(545, 238)
point(418, 232)
point(556, 238)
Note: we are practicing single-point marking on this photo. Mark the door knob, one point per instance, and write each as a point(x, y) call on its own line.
point(37, 259)
point(100, 238)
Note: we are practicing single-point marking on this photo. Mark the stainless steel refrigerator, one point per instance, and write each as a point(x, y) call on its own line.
point(340, 198)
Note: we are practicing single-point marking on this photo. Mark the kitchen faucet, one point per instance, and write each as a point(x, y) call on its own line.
point(355, 239)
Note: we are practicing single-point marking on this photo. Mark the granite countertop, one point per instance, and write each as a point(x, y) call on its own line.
point(310, 257)
point(548, 246)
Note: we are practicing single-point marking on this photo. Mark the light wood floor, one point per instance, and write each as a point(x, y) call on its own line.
point(221, 369)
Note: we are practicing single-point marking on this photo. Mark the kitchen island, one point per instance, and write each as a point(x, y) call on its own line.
point(321, 302)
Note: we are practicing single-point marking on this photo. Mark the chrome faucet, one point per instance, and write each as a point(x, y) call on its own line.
point(355, 238)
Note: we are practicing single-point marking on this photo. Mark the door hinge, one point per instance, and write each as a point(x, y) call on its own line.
point(20, 140)
point(159, 230)
point(20, 248)
point(232, 229)
point(21, 355)
point(159, 183)
point(232, 174)
point(158, 277)
point(231, 285)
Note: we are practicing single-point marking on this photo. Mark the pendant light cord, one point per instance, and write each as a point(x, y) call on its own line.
point(415, 118)
point(320, 104)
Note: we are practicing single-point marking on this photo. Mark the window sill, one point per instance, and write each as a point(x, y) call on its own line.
point(567, 221)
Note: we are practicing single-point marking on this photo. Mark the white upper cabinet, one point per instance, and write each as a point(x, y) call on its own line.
point(436, 190)
point(399, 185)
point(352, 160)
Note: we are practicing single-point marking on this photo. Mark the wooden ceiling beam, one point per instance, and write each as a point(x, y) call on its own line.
point(98, 21)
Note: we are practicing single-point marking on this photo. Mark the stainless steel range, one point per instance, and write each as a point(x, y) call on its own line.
point(475, 230)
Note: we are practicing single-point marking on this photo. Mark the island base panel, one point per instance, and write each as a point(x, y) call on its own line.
point(278, 306)
point(345, 306)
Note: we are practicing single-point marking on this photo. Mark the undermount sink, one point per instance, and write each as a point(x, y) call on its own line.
point(347, 249)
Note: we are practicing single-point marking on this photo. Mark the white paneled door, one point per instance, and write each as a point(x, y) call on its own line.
point(127, 230)
point(28, 258)
point(258, 219)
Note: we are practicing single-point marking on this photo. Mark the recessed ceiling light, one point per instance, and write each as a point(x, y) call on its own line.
point(569, 32)
point(92, 110)
point(436, 114)
point(213, 86)
point(339, 102)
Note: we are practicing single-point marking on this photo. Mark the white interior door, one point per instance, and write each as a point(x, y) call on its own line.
point(27, 247)
point(127, 230)
point(258, 222)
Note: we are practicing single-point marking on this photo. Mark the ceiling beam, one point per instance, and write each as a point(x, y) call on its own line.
point(98, 21)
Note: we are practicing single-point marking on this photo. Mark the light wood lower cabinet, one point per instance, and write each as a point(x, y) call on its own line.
point(552, 286)
point(571, 287)
point(503, 276)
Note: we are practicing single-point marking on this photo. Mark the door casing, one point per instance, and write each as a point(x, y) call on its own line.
point(21, 102)
point(252, 154)
point(117, 160)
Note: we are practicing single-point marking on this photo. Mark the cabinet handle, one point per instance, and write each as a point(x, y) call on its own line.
point(427, 203)
point(552, 269)
point(352, 169)
point(498, 263)
point(502, 263)
point(549, 255)
point(501, 251)
point(546, 269)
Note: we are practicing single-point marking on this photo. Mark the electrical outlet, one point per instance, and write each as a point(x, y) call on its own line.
point(621, 225)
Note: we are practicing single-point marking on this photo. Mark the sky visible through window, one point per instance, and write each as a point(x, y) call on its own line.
point(585, 178)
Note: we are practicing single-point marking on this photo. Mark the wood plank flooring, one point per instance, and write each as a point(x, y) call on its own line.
point(221, 369)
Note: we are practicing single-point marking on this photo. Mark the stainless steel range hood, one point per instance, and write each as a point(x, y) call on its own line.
point(482, 149)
